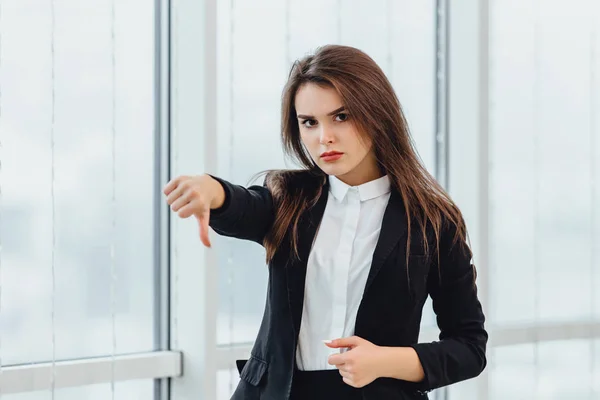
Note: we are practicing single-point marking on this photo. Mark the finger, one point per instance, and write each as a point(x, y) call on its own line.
point(351, 341)
point(345, 374)
point(175, 194)
point(186, 211)
point(346, 368)
point(173, 183)
point(336, 359)
point(181, 201)
point(203, 219)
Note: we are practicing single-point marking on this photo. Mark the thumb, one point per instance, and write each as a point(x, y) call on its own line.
point(203, 217)
point(350, 342)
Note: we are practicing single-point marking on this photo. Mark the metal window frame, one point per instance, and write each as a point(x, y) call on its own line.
point(162, 246)
point(193, 122)
point(89, 371)
point(468, 145)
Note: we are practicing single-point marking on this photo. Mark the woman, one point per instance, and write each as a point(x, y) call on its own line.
point(355, 240)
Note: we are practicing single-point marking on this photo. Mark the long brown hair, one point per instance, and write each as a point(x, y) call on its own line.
point(376, 112)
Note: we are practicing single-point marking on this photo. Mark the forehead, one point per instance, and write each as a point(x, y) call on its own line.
point(316, 100)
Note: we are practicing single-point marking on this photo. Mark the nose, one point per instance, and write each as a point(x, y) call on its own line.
point(326, 136)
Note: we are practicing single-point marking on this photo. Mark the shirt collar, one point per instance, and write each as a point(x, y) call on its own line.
point(366, 191)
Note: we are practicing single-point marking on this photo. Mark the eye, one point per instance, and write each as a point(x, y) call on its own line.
point(342, 117)
point(309, 123)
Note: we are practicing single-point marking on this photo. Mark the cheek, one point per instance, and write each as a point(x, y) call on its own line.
point(360, 144)
point(366, 145)
point(309, 141)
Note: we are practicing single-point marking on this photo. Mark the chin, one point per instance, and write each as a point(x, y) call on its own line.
point(335, 170)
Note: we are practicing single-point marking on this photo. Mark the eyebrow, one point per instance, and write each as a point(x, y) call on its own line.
point(336, 111)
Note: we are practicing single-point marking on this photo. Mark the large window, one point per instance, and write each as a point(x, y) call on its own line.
point(526, 128)
point(544, 131)
point(544, 170)
point(78, 216)
point(101, 292)
point(78, 181)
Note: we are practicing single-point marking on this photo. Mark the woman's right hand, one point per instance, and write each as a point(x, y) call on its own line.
point(195, 195)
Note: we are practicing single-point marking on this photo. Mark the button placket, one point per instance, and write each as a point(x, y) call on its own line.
point(343, 258)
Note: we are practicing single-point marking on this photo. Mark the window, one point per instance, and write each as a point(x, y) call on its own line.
point(524, 167)
point(544, 146)
point(78, 183)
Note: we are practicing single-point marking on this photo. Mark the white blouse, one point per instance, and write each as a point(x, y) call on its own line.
point(338, 267)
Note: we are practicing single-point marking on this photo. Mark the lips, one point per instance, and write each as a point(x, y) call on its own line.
point(331, 154)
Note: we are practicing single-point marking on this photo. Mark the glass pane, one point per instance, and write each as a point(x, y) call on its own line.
point(134, 390)
point(78, 204)
point(561, 370)
point(249, 106)
point(466, 390)
point(227, 381)
point(512, 372)
point(543, 154)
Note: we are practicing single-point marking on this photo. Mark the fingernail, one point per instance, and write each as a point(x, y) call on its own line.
point(328, 341)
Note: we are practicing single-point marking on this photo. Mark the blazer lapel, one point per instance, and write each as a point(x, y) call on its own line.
point(296, 270)
point(393, 228)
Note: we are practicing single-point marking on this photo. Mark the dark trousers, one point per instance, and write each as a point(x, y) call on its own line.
point(322, 385)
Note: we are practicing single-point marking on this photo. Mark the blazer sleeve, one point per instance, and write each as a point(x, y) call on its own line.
point(247, 213)
point(460, 352)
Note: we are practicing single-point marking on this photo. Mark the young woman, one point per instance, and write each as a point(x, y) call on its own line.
point(355, 240)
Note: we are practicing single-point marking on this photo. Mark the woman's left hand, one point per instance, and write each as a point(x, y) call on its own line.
point(359, 365)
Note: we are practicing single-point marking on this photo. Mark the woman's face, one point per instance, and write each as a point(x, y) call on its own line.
point(331, 137)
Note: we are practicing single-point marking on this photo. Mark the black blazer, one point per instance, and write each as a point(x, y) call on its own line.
point(390, 310)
